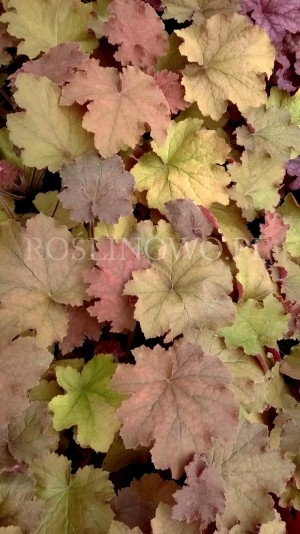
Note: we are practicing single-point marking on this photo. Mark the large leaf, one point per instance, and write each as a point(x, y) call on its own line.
point(186, 286)
point(41, 272)
point(186, 165)
point(228, 57)
point(180, 399)
point(250, 467)
point(49, 134)
point(113, 115)
point(74, 502)
point(48, 23)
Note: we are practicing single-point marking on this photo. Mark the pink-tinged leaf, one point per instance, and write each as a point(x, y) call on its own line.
point(277, 17)
point(31, 434)
point(169, 83)
point(129, 508)
point(114, 265)
point(9, 173)
point(293, 308)
point(297, 64)
point(22, 364)
point(295, 184)
point(179, 399)
point(203, 496)
point(109, 346)
point(138, 31)
point(156, 4)
point(293, 169)
point(286, 78)
point(96, 187)
point(251, 470)
point(272, 233)
point(188, 219)
point(113, 114)
point(19, 505)
point(41, 272)
point(58, 64)
point(81, 326)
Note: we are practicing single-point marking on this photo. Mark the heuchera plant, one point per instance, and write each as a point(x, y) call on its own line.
point(149, 267)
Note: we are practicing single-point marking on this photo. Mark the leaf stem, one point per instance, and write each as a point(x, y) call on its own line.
point(8, 99)
point(55, 208)
point(12, 195)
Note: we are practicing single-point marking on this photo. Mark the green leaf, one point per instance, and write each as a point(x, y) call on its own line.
point(290, 211)
point(74, 503)
point(89, 403)
point(186, 165)
point(256, 326)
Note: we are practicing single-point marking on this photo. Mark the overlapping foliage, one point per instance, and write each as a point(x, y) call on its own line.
point(149, 266)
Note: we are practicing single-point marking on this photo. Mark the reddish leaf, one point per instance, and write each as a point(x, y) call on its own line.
point(114, 265)
point(272, 233)
point(138, 30)
point(113, 115)
point(22, 364)
point(8, 174)
point(169, 83)
point(275, 16)
point(188, 219)
point(293, 308)
point(96, 187)
point(293, 169)
point(129, 508)
point(203, 496)
point(180, 400)
point(81, 326)
point(58, 64)
point(285, 76)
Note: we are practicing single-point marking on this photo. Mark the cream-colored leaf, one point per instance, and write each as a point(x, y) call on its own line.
point(199, 10)
point(271, 131)
point(256, 182)
point(186, 285)
point(49, 134)
point(48, 23)
point(229, 58)
point(253, 275)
